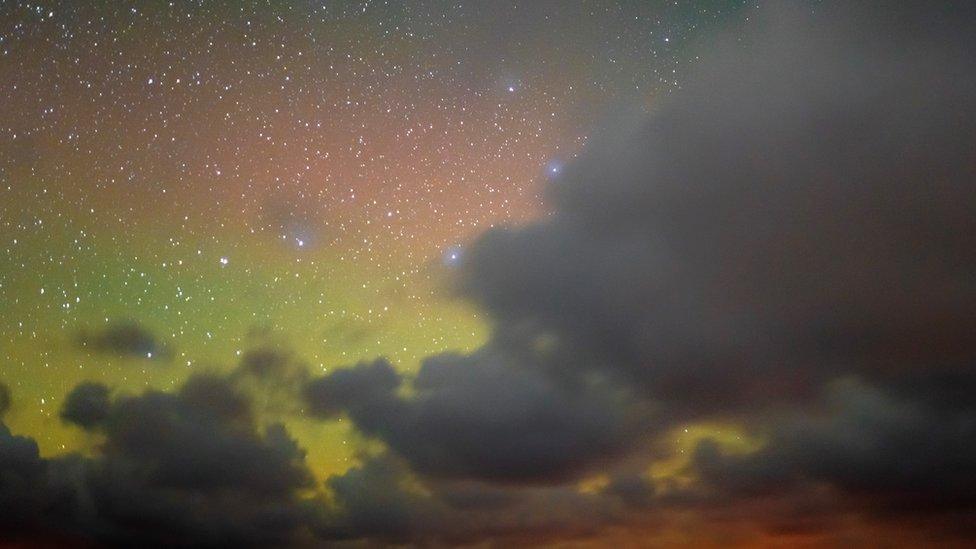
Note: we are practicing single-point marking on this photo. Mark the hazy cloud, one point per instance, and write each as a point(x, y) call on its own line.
point(125, 339)
point(797, 212)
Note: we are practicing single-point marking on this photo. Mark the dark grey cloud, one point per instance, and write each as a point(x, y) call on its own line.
point(799, 215)
point(485, 415)
point(87, 405)
point(366, 386)
point(195, 467)
point(203, 437)
point(381, 501)
point(125, 339)
point(803, 209)
point(189, 467)
point(633, 489)
point(889, 453)
point(21, 472)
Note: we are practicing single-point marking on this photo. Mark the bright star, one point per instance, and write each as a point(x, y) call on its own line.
point(452, 257)
point(553, 168)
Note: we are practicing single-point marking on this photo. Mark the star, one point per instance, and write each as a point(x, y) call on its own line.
point(452, 256)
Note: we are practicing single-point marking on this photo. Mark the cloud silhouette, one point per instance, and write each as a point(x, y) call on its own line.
point(895, 453)
point(798, 212)
point(485, 416)
point(189, 468)
point(87, 405)
point(124, 339)
point(798, 220)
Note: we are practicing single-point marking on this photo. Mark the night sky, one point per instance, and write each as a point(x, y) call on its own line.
point(300, 170)
point(532, 273)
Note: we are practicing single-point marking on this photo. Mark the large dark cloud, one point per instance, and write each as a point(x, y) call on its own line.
point(190, 467)
point(891, 453)
point(382, 501)
point(799, 215)
point(487, 415)
point(802, 209)
point(195, 467)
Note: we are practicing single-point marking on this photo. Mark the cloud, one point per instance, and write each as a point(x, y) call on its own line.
point(382, 501)
point(802, 209)
point(799, 216)
point(195, 466)
point(889, 453)
point(485, 416)
point(4, 399)
point(365, 386)
point(21, 472)
point(87, 405)
point(273, 378)
point(202, 437)
point(124, 339)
